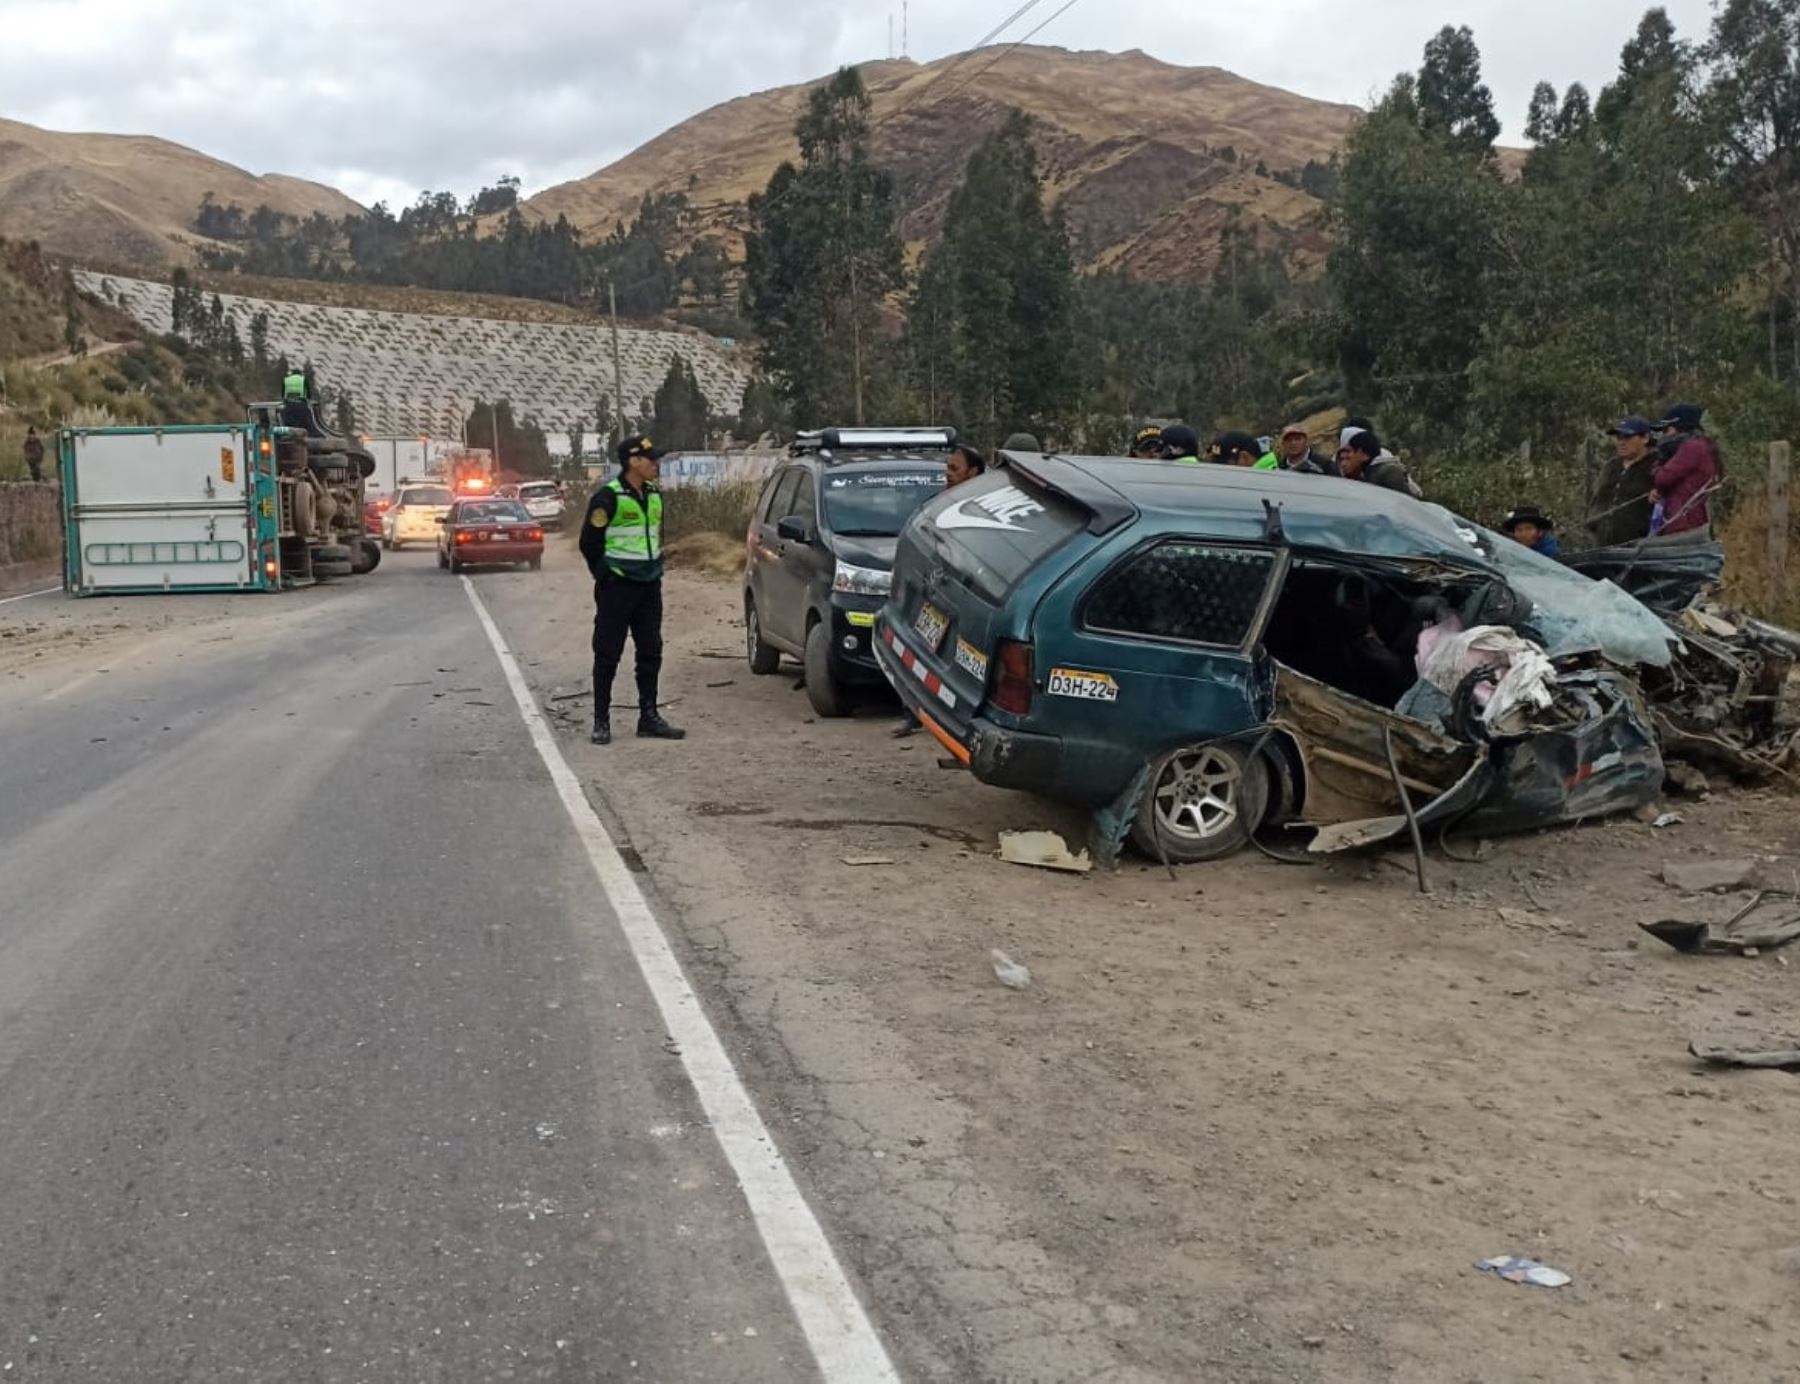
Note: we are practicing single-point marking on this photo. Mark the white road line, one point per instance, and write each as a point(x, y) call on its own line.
point(48, 590)
point(843, 1339)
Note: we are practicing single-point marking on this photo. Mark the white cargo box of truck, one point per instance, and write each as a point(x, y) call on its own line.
point(169, 509)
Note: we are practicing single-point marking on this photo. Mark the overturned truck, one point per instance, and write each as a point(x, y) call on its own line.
point(1198, 653)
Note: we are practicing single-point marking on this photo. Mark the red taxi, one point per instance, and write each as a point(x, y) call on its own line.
point(489, 533)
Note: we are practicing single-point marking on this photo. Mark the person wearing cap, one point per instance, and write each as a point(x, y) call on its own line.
point(1364, 459)
point(1181, 443)
point(1236, 449)
point(1690, 471)
point(621, 540)
point(1530, 527)
point(1296, 453)
point(1620, 512)
point(1147, 445)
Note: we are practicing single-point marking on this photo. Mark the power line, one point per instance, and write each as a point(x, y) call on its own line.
point(1010, 48)
point(960, 59)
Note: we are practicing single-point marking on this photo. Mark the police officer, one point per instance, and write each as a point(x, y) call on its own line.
point(621, 538)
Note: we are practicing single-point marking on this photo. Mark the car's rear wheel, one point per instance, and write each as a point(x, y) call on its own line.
point(443, 559)
point(536, 564)
point(763, 659)
point(824, 691)
point(455, 566)
point(1202, 802)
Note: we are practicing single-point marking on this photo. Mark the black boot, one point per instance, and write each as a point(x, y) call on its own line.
point(602, 729)
point(651, 726)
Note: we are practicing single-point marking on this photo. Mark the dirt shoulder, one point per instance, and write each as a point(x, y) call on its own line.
point(1255, 1123)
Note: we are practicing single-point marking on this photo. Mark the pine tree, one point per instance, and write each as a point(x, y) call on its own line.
point(1002, 273)
point(1453, 101)
point(822, 255)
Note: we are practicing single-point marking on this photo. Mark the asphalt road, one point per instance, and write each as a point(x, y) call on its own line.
point(320, 1057)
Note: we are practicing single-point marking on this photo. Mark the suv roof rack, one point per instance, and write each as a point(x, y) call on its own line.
point(829, 441)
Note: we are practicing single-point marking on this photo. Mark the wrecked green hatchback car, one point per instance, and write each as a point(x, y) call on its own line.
point(1208, 650)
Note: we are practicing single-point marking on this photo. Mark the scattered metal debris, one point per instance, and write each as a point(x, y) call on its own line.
point(855, 861)
point(1515, 1269)
point(1043, 849)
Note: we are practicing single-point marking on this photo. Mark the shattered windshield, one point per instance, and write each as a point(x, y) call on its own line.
point(1578, 615)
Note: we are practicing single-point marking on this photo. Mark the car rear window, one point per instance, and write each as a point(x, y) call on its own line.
point(491, 512)
point(1183, 591)
point(543, 490)
point(427, 495)
point(877, 504)
point(992, 530)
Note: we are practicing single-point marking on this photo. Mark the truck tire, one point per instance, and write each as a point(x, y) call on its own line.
point(365, 559)
point(332, 560)
point(826, 694)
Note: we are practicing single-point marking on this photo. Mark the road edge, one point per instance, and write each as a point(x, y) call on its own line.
point(843, 1340)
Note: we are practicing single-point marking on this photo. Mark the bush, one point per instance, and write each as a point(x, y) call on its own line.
point(722, 509)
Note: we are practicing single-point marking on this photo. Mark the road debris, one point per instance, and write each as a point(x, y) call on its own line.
point(1527, 1271)
point(857, 861)
point(1767, 1059)
point(1736, 937)
point(1668, 819)
point(1043, 849)
point(1708, 876)
point(1009, 972)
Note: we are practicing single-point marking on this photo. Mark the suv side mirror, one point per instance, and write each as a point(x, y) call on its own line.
point(794, 529)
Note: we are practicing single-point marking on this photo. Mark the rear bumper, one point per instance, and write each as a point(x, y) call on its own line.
point(475, 554)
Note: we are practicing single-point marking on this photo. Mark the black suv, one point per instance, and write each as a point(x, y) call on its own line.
point(820, 552)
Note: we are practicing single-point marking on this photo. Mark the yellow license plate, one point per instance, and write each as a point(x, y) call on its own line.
point(931, 624)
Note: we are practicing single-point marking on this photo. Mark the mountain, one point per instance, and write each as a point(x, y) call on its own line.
point(1148, 161)
point(125, 199)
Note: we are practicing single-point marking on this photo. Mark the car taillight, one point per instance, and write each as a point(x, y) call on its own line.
point(464, 537)
point(1012, 677)
point(537, 535)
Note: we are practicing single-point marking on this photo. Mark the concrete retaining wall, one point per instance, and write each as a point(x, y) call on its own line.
point(30, 524)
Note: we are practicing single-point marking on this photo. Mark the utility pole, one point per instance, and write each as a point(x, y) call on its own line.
point(612, 302)
point(494, 428)
point(905, 16)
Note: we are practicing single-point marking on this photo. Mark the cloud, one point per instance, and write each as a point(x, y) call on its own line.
point(385, 98)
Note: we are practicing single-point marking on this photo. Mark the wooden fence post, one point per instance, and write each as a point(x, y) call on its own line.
point(1780, 459)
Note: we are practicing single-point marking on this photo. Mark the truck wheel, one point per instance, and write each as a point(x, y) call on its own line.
point(823, 690)
point(332, 560)
point(367, 557)
point(1202, 802)
point(763, 659)
point(396, 545)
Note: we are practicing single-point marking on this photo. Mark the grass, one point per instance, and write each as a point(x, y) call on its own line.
point(716, 509)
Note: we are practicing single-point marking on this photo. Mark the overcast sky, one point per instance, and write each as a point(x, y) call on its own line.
point(385, 97)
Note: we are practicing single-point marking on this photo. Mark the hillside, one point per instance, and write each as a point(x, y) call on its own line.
point(1146, 160)
point(128, 200)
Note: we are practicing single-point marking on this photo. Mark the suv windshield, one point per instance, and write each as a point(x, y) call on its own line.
point(877, 504)
point(991, 530)
point(427, 495)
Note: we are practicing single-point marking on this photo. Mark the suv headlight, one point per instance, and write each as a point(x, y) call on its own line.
point(861, 581)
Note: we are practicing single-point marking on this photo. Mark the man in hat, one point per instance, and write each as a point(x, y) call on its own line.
point(1691, 470)
point(1530, 527)
point(34, 454)
point(621, 539)
point(1236, 449)
point(1621, 508)
point(1181, 443)
point(1148, 444)
point(1296, 453)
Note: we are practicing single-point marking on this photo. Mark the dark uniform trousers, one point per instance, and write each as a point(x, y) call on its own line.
point(622, 606)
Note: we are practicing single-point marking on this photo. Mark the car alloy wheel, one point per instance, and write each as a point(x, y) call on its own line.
point(1202, 802)
point(763, 659)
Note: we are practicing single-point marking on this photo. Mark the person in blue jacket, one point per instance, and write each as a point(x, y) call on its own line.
point(1530, 526)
